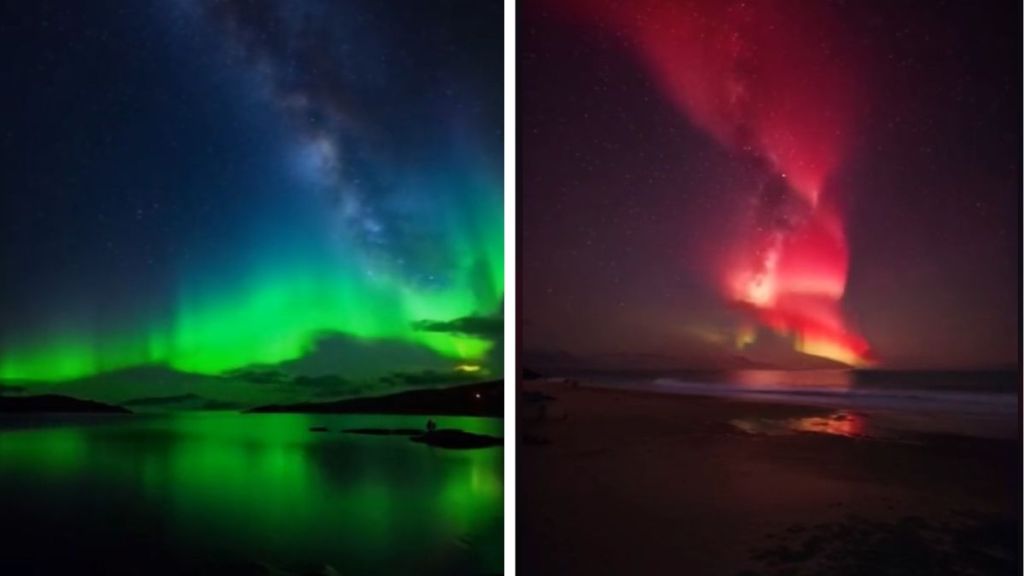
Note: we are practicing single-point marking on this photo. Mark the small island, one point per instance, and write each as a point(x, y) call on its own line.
point(442, 438)
point(456, 439)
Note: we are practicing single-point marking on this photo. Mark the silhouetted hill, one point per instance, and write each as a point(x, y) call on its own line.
point(479, 399)
point(55, 403)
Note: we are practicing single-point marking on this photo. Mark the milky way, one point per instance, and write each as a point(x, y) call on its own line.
point(243, 181)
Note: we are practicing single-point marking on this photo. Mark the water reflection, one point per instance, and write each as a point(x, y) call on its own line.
point(262, 488)
point(838, 423)
point(841, 423)
point(832, 380)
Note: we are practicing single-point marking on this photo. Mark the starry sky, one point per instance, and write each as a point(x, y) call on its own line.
point(710, 185)
point(256, 194)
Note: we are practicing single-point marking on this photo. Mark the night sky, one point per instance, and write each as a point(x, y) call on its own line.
point(261, 195)
point(785, 184)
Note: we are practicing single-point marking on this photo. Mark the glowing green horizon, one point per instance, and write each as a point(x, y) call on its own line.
point(278, 311)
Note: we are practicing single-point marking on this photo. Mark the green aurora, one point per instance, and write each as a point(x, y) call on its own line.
point(280, 316)
point(224, 203)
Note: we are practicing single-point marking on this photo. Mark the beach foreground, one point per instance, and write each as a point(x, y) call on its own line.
point(619, 482)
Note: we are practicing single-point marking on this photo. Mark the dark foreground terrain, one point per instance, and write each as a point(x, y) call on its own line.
point(55, 403)
point(618, 482)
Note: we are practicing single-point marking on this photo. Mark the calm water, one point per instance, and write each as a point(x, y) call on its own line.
point(234, 493)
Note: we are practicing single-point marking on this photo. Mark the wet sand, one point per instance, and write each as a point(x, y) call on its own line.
point(613, 482)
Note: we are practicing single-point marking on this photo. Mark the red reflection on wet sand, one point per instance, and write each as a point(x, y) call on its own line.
point(841, 423)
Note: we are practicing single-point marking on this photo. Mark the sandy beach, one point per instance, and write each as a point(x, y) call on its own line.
point(616, 482)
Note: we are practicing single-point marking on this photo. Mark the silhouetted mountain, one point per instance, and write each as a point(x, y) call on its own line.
point(479, 399)
point(55, 403)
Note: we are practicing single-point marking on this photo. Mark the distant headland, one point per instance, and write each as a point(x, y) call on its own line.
point(54, 403)
point(478, 399)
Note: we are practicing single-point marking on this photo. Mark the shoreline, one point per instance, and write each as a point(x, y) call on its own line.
point(639, 481)
point(919, 416)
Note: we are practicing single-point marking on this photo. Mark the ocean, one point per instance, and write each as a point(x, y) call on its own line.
point(890, 403)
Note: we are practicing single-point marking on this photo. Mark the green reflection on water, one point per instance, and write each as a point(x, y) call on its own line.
point(263, 488)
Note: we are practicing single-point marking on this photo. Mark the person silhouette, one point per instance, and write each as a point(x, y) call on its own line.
point(431, 426)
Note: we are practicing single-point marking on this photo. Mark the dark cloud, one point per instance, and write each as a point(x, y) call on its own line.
point(360, 359)
point(325, 385)
point(327, 381)
point(259, 376)
point(429, 378)
point(11, 389)
point(484, 326)
point(487, 326)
